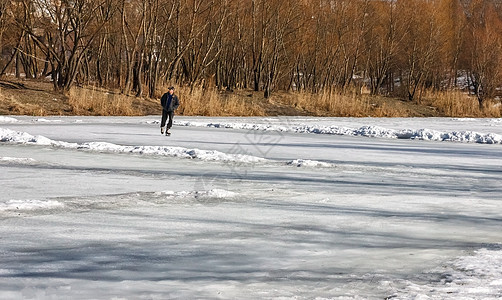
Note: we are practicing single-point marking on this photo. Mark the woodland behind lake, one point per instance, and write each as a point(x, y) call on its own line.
point(391, 48)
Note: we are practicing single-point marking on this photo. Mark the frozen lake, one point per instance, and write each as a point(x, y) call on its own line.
point(250, 208)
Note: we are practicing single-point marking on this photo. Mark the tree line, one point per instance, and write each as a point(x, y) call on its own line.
point(391, 47)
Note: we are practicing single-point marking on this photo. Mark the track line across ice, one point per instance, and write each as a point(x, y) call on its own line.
point(18, 207)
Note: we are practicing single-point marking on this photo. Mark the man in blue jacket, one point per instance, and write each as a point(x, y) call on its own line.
point(170, 103)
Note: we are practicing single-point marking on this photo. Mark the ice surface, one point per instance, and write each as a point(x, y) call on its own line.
point(475, 276)
point(250, 208)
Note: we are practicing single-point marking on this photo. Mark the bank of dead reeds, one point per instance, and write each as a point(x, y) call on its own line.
point(37, 98)
point(211, 102)
point(344, 104)
point(96, 102)
point(461, 104)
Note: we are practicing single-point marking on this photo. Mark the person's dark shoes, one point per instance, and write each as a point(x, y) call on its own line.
point(161, 130)
point(167, 132)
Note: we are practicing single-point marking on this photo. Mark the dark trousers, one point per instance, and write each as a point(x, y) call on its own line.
point(166, 114)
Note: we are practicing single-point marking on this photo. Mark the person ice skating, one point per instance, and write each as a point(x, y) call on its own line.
point(170, 103)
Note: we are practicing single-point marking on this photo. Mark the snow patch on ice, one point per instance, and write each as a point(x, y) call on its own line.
point(475, 276)
point(213, 193)
point(364, 131)
point(29, 205)
point(17, 160)
point(43, 120)
point(205, 155)
point(309, 163)
point(7, 120)
point(218, 193)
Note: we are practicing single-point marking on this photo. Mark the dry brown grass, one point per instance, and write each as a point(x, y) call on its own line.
point(460, 104)
point(11, 105)
point(96, 102)
point(348, 104)
point(36, 97)
point(211, 102)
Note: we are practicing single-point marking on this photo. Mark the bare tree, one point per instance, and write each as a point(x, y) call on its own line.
point(64, 31)
point(483, 47)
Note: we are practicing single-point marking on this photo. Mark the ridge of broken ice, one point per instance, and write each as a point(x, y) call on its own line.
point(365, 131)
point(16, 137)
